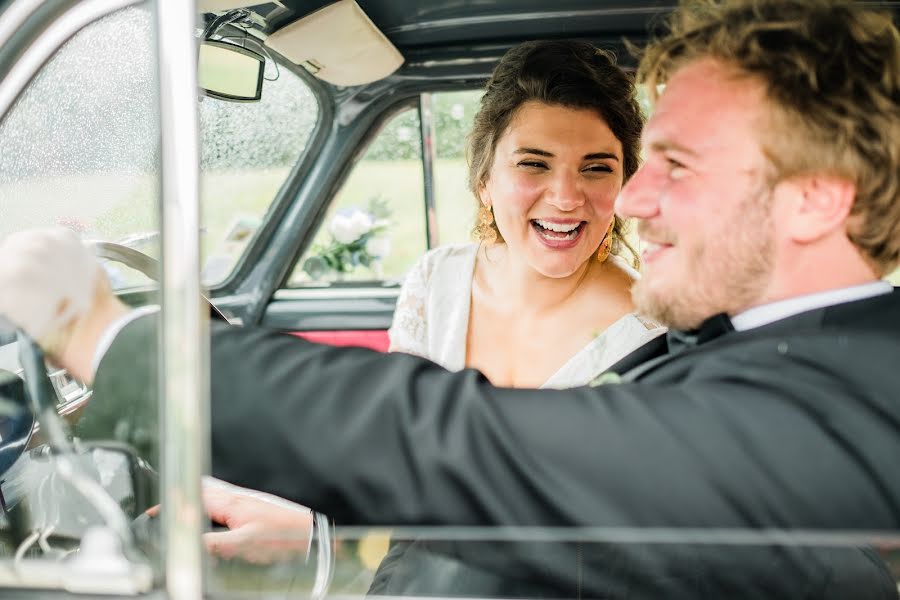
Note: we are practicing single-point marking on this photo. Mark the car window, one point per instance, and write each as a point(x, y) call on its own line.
point(456, 206)
point(99, 173)
point(385, 197)
point(247, 150)
point(81, 146)
point(374, 228)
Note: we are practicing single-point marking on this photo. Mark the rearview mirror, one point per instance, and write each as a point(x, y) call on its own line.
point(230, 72)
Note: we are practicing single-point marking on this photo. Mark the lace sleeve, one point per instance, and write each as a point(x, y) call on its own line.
point(409, 329)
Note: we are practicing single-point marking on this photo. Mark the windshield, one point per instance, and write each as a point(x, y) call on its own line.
point(97, 172)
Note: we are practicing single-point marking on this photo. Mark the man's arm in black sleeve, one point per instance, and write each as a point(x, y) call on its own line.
point(394, 439)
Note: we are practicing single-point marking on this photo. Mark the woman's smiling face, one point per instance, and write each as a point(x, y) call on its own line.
point(553, 185)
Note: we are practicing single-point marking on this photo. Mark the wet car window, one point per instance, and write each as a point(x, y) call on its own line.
point(81, 145)
point(81, 149)
point(247, 151)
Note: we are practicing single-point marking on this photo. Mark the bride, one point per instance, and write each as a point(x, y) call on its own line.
point(543, 300)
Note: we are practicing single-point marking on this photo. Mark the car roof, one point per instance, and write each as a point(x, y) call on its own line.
point(418, 24)
point(424, 30)
point(428, 29)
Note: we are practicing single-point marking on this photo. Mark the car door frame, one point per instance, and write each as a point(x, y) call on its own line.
point(31, 32)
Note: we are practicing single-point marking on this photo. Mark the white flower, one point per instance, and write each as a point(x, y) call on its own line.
point(349, 227)
point(342, 229)
point(362, 222)
point(379, 247)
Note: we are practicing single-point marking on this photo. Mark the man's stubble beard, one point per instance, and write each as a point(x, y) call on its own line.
point(729, 271)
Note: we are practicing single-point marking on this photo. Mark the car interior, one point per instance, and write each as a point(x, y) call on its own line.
point(331, 157)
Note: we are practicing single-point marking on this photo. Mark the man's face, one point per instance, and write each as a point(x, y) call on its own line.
point(702, 199)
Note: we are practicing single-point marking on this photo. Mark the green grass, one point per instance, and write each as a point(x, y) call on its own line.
point(400, 183)
point(113, 207)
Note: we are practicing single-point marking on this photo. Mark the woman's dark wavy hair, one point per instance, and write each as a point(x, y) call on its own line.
point(569, 73)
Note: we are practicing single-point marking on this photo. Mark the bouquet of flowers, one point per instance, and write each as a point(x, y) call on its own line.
point(356, 238)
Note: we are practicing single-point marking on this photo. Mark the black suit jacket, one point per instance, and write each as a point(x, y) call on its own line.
point(794, 425)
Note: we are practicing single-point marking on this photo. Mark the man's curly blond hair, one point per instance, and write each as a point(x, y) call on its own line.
point(832, 73)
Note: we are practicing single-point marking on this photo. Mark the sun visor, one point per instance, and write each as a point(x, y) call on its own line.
point(338, 44)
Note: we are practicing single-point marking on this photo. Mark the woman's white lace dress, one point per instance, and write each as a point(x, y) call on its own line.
point(432, 319)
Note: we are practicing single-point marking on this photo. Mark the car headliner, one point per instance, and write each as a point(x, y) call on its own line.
point(441, 29)
point(427, 30)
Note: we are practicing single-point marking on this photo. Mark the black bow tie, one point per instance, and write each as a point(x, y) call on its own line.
point(710, 329)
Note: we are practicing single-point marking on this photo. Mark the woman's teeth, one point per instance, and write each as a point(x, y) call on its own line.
point(557, 231)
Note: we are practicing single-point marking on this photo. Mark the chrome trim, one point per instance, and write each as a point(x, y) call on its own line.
point(324, 556)
point(184, 352)
point(13, 17)
point(429, 154)
point(455, 62)
point(337, 294)
point(57, 34)
point(68, 389)
point(65, 410)
point(704, 536)
point(74, 405)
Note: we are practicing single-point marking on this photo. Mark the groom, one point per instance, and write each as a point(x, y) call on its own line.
point(769, 205)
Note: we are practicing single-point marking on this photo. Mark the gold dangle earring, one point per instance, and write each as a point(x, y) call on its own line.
point(485, 230)
point(606, 244)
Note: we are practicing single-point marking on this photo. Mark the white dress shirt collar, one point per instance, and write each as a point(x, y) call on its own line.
point(112, 330)
point(775, 311)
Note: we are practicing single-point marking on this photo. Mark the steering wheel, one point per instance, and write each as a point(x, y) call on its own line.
point(142, 263)
point(129, 257)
